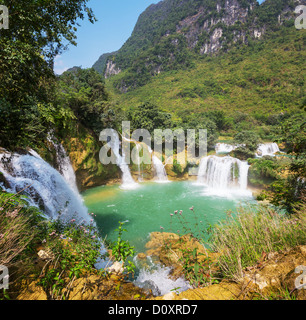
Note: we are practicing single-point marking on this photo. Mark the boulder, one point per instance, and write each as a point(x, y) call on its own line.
point(32, 291)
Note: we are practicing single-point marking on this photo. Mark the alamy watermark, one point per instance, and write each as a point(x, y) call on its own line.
point(191, 140)
point(4, 277)
point(300, 21)
point(300, 282)
point(4, 17)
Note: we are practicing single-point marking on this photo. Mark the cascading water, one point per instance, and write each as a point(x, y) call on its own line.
point(223, 174)
point(45, 186)
point(267, 149)
point(140, 173)
point(224, 148)
point(64, 163)
point(159, 169)
point(157, 278)
point(127, 179)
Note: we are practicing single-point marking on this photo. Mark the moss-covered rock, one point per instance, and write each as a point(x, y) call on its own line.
point(83, 148)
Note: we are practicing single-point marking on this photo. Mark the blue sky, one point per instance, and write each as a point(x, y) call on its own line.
point(116, 21)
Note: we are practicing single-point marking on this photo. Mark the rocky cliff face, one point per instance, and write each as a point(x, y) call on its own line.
point(204, 30)
point(100, 64)
point(111, 69)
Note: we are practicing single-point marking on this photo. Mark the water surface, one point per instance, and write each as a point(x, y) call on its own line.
point(149, 207)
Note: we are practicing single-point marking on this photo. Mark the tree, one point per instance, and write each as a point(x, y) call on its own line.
point(248, 140)
point(148, 116)
point(200, 121)
point(38, 31)
point(288, 191)
point(83, 90)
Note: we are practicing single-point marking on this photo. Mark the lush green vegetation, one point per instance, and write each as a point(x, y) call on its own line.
point(83, 91)
point(70, 249)
point(258, 82)
point(249, 93)
point(288, 190)
point(171, 35)
point(39, 31)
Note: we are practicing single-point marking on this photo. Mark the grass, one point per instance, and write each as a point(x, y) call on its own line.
point(17, 230)
point(256, 230)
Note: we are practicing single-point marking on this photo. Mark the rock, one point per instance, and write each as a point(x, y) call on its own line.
point(116, 268)
point(169, 249)
point(44, 255)
point(32, 292)
point(95, 287)
point(169, 296)
point(158, 239)
point(149, 287)
point(294, 281)
point(277, 274)
point(141, 256)
point(221, 291)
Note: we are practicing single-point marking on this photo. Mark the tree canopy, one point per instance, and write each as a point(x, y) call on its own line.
point(38, 31)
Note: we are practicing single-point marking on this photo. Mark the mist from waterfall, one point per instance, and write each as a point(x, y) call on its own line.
point(127, 179)
point(267, 149)
point(223, 175)
point(159, 169)
point(45, 186)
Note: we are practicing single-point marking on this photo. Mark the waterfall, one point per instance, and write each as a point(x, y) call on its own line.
point(127, 179)
point(140, 173)
point(267, 149)
point(224, 148)
point(64, 163)
point(159, 168)
point(158, 278)
point(223, 173)
point(44, 185)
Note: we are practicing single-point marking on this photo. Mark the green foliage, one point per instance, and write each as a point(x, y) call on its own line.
point(201, 121)
point(196, 271)
point(38, 32)
point(122, 250)
point(19, 233)
point(73, 249)
point(264, 171)
point(150, 117)
point(248, 139)
point(288, 191)
point(245, 79)
point(29, 125)
point(83, 90)
point(176, 167)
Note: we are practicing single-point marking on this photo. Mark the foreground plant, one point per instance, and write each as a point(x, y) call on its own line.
point(122, 250)
point(72, 252)
point(18, 228)
point(254, 232)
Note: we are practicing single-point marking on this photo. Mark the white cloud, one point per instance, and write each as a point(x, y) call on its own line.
point(59, 65)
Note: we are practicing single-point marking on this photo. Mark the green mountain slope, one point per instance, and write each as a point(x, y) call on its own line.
point(261, 77)
point(174, 34)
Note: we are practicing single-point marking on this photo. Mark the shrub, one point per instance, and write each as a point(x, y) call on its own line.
point(73, 250)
